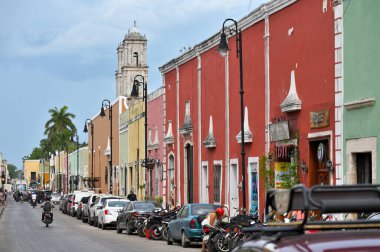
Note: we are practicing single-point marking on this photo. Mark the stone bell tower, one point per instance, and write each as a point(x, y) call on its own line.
point(131, 61)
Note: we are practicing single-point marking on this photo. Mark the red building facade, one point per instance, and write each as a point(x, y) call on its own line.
point(287, 120)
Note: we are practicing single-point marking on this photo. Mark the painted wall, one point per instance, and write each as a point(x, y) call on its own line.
point(302, 39)
point(155, 149)
point(123, 152)
point(361, 71)
point(101, 136)
point(29, 167)
point(136, 143)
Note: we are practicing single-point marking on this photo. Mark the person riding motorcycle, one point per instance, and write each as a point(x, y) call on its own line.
point(34, 198)
point(212, 219)
point(46, 207)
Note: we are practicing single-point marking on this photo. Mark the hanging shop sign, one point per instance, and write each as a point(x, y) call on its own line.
point(280, 168)
point(319, 119)
point(279, 131)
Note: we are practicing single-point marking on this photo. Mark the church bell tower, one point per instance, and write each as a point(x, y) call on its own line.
point(131, 61)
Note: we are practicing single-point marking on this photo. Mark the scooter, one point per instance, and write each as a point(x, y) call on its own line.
point(34, 203)
point(48, 218)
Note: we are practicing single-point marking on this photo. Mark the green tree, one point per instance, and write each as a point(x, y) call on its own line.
point(12, 171)
point(59, 129)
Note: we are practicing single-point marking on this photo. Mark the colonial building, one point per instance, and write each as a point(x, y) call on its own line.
point(356, 83)
point(289, 111)
point(32, 172)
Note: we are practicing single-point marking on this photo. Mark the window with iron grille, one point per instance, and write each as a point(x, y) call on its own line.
point(106, 174)
point(171, 173)
point(217, 182)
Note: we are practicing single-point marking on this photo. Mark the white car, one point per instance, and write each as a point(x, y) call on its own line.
point(96, 207)
point(78, 195)
point(109, 211)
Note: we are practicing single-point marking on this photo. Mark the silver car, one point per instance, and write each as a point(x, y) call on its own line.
point(55, 198)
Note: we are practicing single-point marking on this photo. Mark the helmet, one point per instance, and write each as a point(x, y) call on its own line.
point(219, 211)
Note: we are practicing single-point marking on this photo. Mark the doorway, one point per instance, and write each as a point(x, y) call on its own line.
point(319, 154)
point(234, 193)
point(364, 168)
point(204, 183)
point(189, 169)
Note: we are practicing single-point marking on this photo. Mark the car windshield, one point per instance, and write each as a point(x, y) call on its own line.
point(148, 206)
point(117, 203)
point(203, 209)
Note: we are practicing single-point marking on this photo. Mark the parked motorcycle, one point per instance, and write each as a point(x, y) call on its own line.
point(157, 224)
point(48, 218)
point(141, 226)
point(213, 239)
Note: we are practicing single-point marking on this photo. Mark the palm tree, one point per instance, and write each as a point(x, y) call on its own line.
point(59, 128)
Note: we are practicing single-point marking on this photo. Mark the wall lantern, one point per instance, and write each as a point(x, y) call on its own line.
point(304, 169)
point(329, 166)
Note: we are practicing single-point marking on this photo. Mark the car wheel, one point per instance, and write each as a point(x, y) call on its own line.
point(118, 230)
point(169, 241)
point(82, 218)
point(129, 230)
point(184, 240)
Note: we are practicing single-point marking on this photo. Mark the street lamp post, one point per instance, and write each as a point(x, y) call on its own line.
point(89, 121)
point(223, 49)
point(77, 180)
point(134, 94)
point(107, 104)
point(59, 172)
point(67, 170)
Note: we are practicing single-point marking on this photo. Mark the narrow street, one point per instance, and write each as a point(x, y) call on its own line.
point(21, 229)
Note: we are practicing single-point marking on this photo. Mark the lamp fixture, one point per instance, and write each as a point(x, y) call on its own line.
point(304, 169)
point(329, 166)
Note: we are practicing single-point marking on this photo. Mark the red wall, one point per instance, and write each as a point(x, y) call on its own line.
point(309, 50)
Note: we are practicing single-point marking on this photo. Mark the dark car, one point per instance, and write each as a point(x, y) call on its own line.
point(186, 227)
point(132, 211)
point(314, 235)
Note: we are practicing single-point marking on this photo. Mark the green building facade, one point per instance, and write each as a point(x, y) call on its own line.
point(361, 90)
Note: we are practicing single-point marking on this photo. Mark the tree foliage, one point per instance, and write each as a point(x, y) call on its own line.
point(12, 171)
point(59, 131)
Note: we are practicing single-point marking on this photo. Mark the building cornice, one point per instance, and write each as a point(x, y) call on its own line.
point(257, 15)
point(362, 103)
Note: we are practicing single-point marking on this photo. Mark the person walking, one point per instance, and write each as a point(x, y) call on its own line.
point(132, 196)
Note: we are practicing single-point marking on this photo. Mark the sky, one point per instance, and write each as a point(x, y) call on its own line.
point(55, 53)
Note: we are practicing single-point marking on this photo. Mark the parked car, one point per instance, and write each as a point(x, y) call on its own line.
point(77, 196)
point(62, 202)
point(95, 208)
point(109, 211)
point(67, 203)
point(81, 205)
point(55, 198)
point(128, 217)
point(186, 227)
point(86, 208)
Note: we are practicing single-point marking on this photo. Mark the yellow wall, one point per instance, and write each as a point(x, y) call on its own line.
point(29, 167)
point(136, 143)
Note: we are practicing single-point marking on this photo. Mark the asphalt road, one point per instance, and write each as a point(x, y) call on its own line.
point(21, 229)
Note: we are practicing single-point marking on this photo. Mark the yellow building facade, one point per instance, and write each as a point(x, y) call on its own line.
point(136, 149)
point(32, 171)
